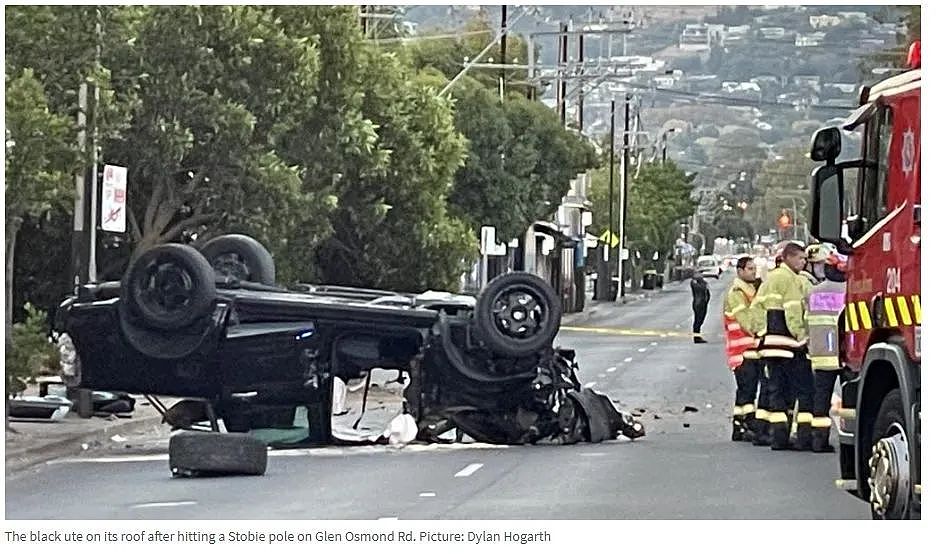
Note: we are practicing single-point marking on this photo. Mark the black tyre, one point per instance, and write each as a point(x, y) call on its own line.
point(241, 257)
point(517, 314)
point(201, 454)
point(889, 466)
point(169, 287)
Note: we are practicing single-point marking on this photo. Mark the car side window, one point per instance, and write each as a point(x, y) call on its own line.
point(873, 196)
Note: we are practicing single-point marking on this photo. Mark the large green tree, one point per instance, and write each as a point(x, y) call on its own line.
point(520, 160)
point(39, 160)
point(658, 199)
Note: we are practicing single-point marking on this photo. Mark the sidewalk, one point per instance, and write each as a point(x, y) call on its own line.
point(36, 441)
point(596, 309)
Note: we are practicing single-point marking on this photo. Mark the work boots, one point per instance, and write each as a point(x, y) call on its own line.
point(779, 436)
point(804, 438)
point(750, 427)
point(738, 431)
point(820, 440)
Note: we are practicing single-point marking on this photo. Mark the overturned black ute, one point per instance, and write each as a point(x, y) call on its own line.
point(211, 324)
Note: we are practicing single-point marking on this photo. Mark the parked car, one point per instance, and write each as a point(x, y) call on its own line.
point(212, 325)
point(709, 267)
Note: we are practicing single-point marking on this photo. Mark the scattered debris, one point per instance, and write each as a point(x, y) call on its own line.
point(690, 409)
point(709, 406)
point(655, 416)
point(685, 425)
point(118, 438)
point(681, 369)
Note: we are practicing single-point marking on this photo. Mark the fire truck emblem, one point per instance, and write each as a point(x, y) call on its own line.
point(909, 148)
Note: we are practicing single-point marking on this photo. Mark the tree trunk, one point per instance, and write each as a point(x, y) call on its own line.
point(13, 227)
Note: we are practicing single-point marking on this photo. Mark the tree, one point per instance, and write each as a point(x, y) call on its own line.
point(217, 87)
point(393, 229)
point(40, 159)
point(658, 199)
point(520, 160)
point(782, 183)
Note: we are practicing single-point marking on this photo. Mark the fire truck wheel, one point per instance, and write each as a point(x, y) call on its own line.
point(517, 314)
point(168, 287)
point(889, 477)
point(202, 454)
point(241, 257)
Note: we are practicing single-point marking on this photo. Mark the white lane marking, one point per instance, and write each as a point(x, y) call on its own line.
point(165, 504)
point(589, 384)
point(628, 360)
point(427, 495)
point(388, 518)
point(653, 344)
point(641, 350)
point(592, 454)
point(612, 369)
point(293, 452)
point(468, 470)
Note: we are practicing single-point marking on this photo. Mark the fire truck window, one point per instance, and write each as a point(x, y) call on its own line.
point(874, 182)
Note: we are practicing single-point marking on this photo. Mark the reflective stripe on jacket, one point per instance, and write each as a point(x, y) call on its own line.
point(739, 325)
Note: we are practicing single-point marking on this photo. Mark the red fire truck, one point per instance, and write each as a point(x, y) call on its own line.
point(875, 219)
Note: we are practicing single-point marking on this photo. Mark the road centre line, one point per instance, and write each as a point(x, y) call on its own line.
point(612, 369)
point(468, 470)
point(626, 332)
point(641, 350)
point(628, 360)
point(428, 494)
point(165, 504)
point(589, 384)
point(298, 452)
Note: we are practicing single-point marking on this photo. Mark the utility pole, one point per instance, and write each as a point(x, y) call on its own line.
point(607, 290)
point(80, 233)
point(563, 61)
point(503, 52)
point(625, 169)
point(581, 94)
point(364, 9)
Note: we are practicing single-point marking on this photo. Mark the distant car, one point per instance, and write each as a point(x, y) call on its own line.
point(709, 267)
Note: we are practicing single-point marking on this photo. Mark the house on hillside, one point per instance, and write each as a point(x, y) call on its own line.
point(773, 33)
point(823, 21)
point(809, 39)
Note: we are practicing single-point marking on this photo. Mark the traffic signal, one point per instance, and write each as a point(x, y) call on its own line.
point(784, 221)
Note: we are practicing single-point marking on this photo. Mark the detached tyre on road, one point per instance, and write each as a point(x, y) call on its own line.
point(517, 314)
point(241, 257)
point(202, 454)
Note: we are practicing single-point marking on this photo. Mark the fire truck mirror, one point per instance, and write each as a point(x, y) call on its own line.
point(826, 145)
point(827, 189)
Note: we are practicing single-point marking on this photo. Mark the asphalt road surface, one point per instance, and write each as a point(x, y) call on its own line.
point(685, 468)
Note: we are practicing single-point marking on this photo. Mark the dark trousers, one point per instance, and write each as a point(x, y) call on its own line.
point(698, 317)
point(762, 415)
point(746, 376)
point(825, 385)
point(790, 380)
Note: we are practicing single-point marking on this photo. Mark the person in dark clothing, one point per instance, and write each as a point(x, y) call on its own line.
point(700, 300)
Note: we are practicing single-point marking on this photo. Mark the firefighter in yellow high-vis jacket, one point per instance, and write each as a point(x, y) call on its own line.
point(779, 307)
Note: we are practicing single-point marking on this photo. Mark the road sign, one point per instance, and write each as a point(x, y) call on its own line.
point(604, 238)
point(488, 241)
point(114, 199)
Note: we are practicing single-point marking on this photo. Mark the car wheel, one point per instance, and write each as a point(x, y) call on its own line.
point(202, 454)
point(169, 287)
point(517, 314)
point(241, 257)
point(889, 478)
